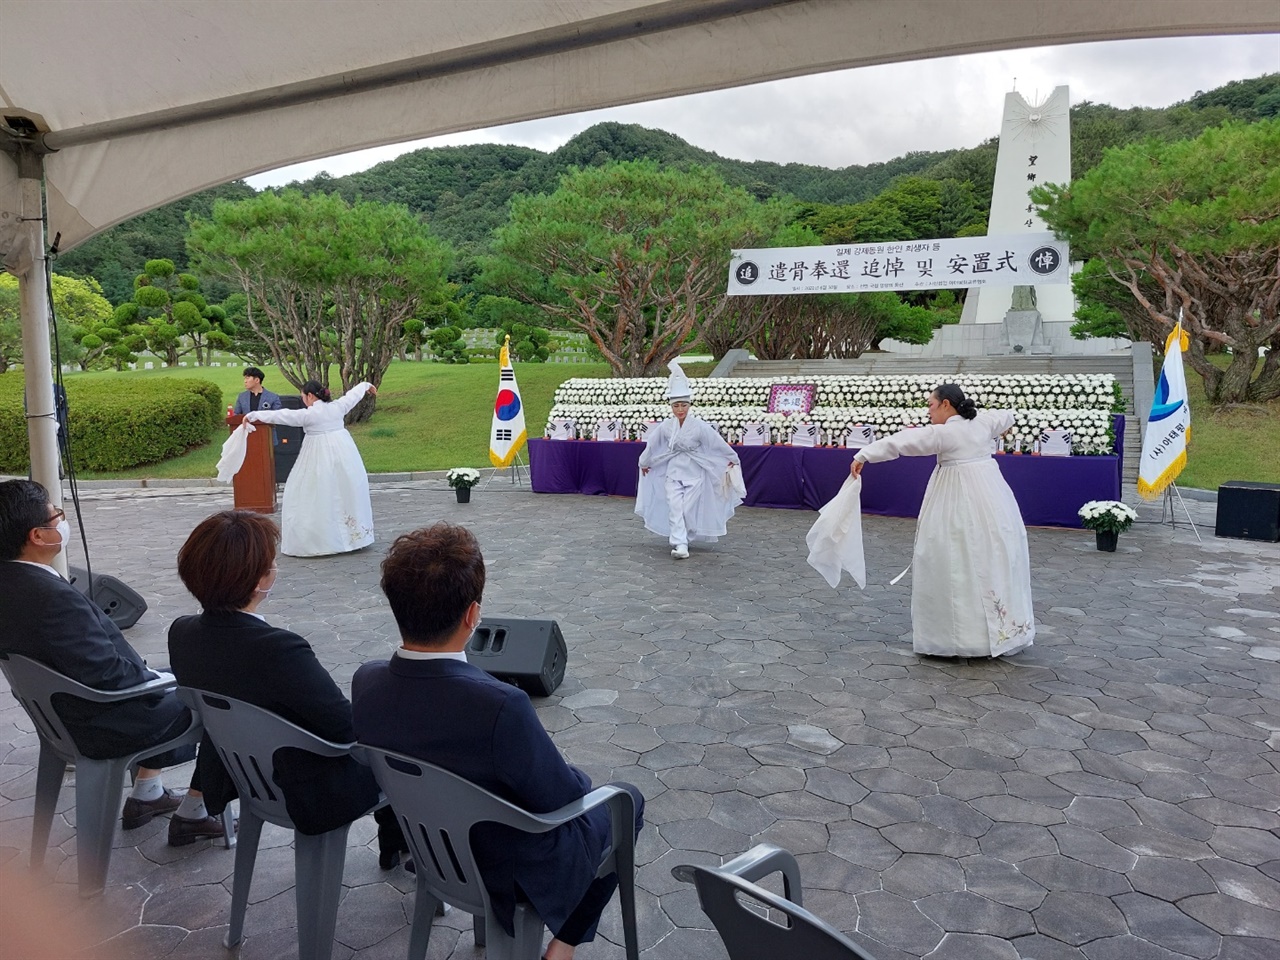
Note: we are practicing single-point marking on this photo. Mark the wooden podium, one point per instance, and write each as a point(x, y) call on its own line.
point(255, 484)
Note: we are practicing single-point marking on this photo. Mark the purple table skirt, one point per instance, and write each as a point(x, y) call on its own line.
point(1049, 490)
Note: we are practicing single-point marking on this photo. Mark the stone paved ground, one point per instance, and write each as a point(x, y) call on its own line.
point(1111, 794)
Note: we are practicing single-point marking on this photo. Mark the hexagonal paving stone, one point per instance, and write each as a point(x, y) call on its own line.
point(1165, 925)
point(1077, 918)
point(916, 875)
point(967, 912)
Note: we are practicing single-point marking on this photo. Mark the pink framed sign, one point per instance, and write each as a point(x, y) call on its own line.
point(791, 397)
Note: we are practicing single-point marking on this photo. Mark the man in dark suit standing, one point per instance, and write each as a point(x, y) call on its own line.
point(45, 618)
point(429, 703)
point(255, 396)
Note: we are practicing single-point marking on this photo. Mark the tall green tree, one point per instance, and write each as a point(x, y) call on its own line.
point(79, 306)
point(841, 325)
point(172, 315)
point(1199, 219)
point(1107, 308)
point(326, 281)
point(632, 254)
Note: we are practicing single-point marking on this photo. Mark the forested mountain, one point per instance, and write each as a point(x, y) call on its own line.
point(116, 256)
point(464, 192)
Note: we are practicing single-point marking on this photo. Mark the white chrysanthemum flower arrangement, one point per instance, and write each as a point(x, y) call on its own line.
point(1109, 516)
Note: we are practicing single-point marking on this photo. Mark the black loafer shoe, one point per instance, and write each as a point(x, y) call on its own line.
point(137, 813)
point(184, 831)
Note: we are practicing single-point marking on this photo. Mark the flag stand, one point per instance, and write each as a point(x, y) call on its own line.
point(1167, 507)
point(519, 472)
point(1169, 511)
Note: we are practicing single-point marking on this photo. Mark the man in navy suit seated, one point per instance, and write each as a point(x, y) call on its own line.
point(45, 618)
point(428, 702)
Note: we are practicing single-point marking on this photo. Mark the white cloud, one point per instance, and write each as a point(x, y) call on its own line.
point(873, 114)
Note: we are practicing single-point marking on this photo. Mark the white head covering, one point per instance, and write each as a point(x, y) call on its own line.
point(678, 387)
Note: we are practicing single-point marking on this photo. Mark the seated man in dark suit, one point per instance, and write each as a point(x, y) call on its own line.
point(428, 702)
point(255, 396)
point(44, 617)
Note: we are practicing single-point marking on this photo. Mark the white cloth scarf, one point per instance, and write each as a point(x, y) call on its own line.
point(233, 451)
point(835, 539)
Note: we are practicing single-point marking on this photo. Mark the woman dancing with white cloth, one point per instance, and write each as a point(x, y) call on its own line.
point(326, 505)
point(971, 572)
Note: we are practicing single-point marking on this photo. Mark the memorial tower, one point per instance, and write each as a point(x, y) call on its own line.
point(1035, 148)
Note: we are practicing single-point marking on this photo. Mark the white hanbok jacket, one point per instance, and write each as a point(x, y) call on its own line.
point(971, 572)
point(698, 453)
point(326, 505)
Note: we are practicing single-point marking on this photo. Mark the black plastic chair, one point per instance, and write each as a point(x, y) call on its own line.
point(733, 902)
point(99, 783)
point(437, 810)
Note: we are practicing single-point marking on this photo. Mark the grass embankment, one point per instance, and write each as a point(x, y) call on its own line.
point(434, 416)
point(1236, 444)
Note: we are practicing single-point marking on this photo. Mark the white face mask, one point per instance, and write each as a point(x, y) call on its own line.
point(64, 531)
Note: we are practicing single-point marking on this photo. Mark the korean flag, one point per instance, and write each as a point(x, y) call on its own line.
point(507, 435)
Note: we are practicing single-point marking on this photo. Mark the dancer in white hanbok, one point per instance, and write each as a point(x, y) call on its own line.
point(690, 479)
point(971, 574)
point(326, 505)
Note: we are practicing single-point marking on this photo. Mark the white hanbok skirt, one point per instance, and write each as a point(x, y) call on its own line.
point(326, 498)
point(971, 572)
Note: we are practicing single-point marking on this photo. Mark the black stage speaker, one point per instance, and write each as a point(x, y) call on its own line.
point(118, 601)
point(288, 440)
point(530, 654)
point(1249, 510)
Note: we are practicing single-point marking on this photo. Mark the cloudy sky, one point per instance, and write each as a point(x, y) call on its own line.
point(873, 114)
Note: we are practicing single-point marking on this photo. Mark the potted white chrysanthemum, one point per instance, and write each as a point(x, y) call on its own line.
point(1107, 519)
point(462, 479)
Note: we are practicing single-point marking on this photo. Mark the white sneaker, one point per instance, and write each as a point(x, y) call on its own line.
point(681, 552)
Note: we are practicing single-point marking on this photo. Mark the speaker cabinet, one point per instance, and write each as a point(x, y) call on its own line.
point(120, 602)
point(531, 654)
point(1249, 511)
point(288, 440)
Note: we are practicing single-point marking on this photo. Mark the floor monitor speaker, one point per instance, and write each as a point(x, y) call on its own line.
point(528, 653)
point(120, 602)
point(1249, 511)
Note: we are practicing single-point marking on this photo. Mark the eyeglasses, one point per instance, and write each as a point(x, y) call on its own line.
point(58, 515)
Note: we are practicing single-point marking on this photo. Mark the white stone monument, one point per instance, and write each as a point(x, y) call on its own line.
point(1035, 148)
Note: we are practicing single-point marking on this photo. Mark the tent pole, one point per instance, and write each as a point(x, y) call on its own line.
point(42, 421)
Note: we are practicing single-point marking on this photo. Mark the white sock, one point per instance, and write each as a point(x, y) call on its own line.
point(191, 808)
point(152, 788)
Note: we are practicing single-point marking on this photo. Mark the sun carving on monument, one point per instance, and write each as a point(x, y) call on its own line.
point(1035, 122)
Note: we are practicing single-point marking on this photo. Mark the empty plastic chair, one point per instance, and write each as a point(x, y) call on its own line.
point(99, 783)
point(246, 738)
point(726, 893)
point(437, 810)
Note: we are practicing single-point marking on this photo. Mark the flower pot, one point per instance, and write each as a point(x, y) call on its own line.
point(1107, 540)
point(464, 496)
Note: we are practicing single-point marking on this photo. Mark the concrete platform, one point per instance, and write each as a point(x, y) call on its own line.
point(1110, 794)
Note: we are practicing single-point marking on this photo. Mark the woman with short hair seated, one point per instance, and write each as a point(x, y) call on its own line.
point(229, 565)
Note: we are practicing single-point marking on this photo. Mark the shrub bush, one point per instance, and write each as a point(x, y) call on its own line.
point(116, 424)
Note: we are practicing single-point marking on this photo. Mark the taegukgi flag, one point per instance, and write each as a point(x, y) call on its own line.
point(507, 435)
point(1164, 447)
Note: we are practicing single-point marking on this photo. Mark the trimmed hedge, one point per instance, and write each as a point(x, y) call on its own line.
point(116, 424)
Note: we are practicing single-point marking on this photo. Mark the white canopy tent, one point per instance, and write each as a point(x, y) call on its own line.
point(112, 108)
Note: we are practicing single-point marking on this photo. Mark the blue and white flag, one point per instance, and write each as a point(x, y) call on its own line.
point(1164, 446)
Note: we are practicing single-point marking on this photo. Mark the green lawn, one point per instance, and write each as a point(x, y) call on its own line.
point(430, 416)
point(434, 416)
point(1240, 444)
